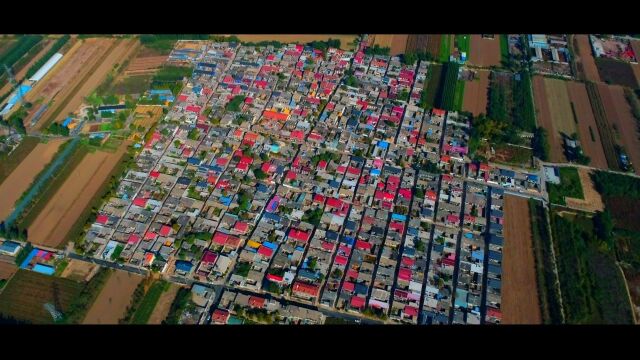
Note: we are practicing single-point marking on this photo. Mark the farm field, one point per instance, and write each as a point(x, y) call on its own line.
point(121, 51)
point(587, 127)
point(545, 120)
point(21, 178)
point(621, 119)
point(52, 224)
point(163, 306)
point(592, 200)
point(475, 94)
point(73, 66)
point(112, 302)
point(145, 65)
point(26, 294)
point(449, 85)
point(585, 62)
point(592, 287)
point(513, 155)
point(484, 52)
point(9, 163)
point(433, 85)
point(519, 297)
point(424, 43)
point(446, 47)
point(79, 270)
point(616, 72)
point(345, 40)
point(560, 106)
point(147, 115)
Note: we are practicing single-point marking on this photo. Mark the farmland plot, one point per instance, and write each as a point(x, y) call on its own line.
point(21, 178)
point(585, 61)
point(424, 43)
point(475, 94)
point(545, 120)
point(114, 298)
point(484, 52)
point(519, 298)
point(587, 127)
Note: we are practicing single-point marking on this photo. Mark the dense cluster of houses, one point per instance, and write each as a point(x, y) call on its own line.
point(312, 176)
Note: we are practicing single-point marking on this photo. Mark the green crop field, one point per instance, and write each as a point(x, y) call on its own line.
point(449, 83)
point(445, 48)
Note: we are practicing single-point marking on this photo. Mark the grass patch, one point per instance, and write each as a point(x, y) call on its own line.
point(463, 42)
point(504, 48)
point(458, 97)
point(179, 304)
point(569, 186)
point(136, 84)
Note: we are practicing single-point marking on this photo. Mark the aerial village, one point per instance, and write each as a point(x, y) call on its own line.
point(294, 187)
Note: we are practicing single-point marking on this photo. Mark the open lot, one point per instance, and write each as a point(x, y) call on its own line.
point(545, 120)
point(345, 40)
point(520, 295)
point(475, 94)
point(484, 52)
point(21, 178)
point(78, 270)
point(584, 60)
point(52, 224)
point(621, 119)
point(26, 294)
point(587, 127)
point(161, 310)
point(592, 200)
point(114, 298)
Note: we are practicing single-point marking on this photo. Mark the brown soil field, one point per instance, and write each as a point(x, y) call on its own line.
point(113, 300)
point(299, 38)
point(635, 45)
point(399, 44)
point(22, 177)
point(586, 120)
point(519, 290)
point(141, 115)
point(7, 270)
point(79, 270)
point(475, 94)
point(23, 72)
point(145, 64)
point(543, 114)
point(63, 209)
point(560, 106)
point(424, 43)
point(588, 64)
point(120, 53)
point(484, 52)
point(592, 200)
point(161, 310)
point(619, 114)
point(383, 40)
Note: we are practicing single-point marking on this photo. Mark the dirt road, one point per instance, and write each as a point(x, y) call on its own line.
point(23, 176)
point(115, 297)
point(519, 290)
